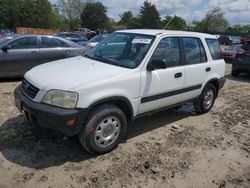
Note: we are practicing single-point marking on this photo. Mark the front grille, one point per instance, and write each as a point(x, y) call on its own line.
point(29, 89)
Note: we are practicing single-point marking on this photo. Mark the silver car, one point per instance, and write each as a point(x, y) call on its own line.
point(19, 53)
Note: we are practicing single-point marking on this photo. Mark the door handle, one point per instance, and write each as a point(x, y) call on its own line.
point(178, 75)
point(208, 69)
point(34, 53)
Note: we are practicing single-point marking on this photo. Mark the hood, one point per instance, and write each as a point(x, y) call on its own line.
point(68, 74)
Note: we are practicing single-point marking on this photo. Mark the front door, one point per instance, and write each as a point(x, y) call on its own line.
point(163, 87)
point(21, 57)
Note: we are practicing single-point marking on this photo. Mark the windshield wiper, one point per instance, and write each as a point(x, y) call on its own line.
point(105, 60)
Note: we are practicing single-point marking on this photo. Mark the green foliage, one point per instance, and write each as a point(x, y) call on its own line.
point(177, 23)
point(71, 12)
point(125, 19)
point(129, 21)
point(239, 28)
point(214, 21)
point(28, 13)
point(94, 16)
point(149, 16)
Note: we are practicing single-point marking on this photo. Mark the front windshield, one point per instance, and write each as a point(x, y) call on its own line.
point(122, 49)
point(5, 39)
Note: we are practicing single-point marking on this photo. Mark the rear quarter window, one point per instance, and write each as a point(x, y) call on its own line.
point(214, 48)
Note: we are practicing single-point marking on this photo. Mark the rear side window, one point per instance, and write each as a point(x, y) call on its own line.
point(214, 48)
point(194, 51)
point(47, 42)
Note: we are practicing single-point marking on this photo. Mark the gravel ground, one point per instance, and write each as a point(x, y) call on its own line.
point(173, 148)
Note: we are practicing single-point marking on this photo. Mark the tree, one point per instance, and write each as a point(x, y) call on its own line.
point(214, 20)
point(71, 11)
point(27, 13)
point(149, 16)
point(198, 26)
point(94, 16)
point(177, 23)
point(126, 18)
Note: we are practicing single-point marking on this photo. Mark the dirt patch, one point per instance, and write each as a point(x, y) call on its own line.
point(173, 148)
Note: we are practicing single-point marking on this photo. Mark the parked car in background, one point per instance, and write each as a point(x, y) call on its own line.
point(226, 40)
point(86, 31)
point(94, 41)
point(19, 53)
point(6, 32)
point(242, 61)
point(230, 52)
point(235, 39)
point(1, 36)
point(245, 39)
point(72, 36)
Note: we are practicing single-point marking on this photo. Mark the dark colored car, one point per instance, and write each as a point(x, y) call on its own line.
point(72, 36)
point(226, 40)
point(19, 53)
point(242, 61)
point(230, 52)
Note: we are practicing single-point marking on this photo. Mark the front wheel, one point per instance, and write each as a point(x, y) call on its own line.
point(206, 100)
point(104, 129)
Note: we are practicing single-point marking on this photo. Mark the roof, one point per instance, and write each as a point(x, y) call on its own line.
point(169, 32)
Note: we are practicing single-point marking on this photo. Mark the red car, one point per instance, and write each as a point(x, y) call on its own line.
point(230, 52)
point(1, 36)
point(244, 39)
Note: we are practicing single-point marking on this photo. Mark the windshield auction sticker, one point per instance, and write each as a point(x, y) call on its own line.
point(141, 41)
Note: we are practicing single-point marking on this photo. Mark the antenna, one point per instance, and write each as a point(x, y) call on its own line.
point(168, 23)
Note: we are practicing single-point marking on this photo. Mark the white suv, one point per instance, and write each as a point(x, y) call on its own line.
point(129, 74)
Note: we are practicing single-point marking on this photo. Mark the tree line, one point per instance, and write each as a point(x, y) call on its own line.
point(70, 14)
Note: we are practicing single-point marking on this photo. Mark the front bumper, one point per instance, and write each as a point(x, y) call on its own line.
point(55, 118)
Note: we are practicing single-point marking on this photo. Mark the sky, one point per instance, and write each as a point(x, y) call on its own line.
point(236, 11)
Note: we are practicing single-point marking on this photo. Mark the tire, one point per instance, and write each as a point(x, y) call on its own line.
point(206, 100)
point(105, 127)
point(235, 72)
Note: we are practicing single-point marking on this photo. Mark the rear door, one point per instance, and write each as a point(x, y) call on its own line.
point(197, 68)
point(163, 87)
point(21, 57)
point(52, 49)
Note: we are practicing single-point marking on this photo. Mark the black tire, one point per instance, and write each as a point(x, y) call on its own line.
point(200, 105)
point(88, 136)
point(235, 72)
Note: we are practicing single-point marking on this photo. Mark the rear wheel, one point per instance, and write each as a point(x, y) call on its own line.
point(104, 129)
point(235, 72)
point(206, 100)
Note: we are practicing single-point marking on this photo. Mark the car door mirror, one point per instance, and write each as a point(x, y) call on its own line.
point(155, 64)
point(6, 48)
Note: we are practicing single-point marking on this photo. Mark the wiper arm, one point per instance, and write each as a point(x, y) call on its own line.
point(101, 58)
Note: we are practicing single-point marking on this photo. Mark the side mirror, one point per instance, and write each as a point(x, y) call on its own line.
point(155, 64)
point(6, 48)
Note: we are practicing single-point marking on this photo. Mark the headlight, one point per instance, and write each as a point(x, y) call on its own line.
point(59, 98)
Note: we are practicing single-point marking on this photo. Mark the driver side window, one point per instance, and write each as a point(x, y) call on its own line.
point(24, 43)
point(168, 50)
